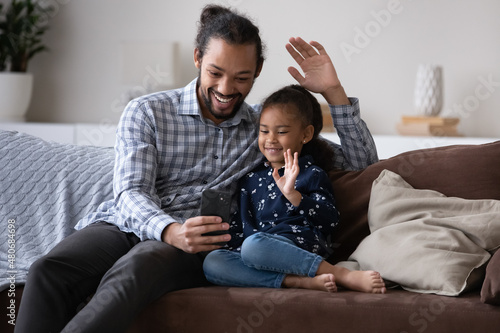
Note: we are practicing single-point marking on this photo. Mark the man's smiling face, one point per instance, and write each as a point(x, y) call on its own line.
point(227, 73)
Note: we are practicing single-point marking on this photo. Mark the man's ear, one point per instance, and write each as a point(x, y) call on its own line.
point(197, 59)
point(259, 68)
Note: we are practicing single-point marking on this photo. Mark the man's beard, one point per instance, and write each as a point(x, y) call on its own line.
point(208, 103)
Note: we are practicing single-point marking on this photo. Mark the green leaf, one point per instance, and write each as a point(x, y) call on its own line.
point(22, 26)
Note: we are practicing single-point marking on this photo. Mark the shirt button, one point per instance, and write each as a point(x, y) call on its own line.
point(345, 115)
point(205, 182)
point(216, 157)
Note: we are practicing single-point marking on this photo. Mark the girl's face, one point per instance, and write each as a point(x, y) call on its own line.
point(281, 129)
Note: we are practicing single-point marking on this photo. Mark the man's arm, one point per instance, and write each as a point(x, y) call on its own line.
point(136, 199)
point(357, 149)
point(136, 196)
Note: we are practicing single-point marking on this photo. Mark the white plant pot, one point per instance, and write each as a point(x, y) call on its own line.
point(429, 90)
point(15, 89)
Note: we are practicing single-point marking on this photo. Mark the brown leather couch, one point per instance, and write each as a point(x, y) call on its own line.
point(470, 172)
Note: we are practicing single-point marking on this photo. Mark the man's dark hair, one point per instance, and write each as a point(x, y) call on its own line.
point(235, 29)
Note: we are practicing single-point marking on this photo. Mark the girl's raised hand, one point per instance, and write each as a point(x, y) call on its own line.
point(286, 183)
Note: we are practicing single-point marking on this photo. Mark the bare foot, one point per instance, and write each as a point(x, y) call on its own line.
point(323, 282)
point(365, 281)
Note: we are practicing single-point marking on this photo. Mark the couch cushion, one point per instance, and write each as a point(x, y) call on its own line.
point(464, 171)
point(46, 187)
point(226, 309)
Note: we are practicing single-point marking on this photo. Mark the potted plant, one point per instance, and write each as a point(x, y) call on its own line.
point(22, 25)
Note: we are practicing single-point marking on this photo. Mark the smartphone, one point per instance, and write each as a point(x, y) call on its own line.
point(216, 203)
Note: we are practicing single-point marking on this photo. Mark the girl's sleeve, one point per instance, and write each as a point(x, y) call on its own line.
point(318, 204)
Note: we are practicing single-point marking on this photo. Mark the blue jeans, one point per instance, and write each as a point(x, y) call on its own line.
point(264, 261)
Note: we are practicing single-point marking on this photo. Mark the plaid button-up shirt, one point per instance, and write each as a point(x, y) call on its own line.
point(167, 153)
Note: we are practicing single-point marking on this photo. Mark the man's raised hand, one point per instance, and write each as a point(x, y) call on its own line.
point(320, 75)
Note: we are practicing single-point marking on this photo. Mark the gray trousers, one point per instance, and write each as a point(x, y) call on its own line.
point(123, 274)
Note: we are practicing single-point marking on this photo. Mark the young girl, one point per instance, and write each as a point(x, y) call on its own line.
point(286, 210)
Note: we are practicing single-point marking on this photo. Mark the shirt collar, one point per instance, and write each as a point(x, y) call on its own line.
point(189, 106)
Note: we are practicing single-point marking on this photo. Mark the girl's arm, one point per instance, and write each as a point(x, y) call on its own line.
point(318, 203)
point(314, 200)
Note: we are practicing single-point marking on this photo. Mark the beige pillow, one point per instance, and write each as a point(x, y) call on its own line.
point(465, 171)
point(427, 242)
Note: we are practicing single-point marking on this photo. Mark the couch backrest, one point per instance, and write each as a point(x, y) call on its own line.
point(465, 171)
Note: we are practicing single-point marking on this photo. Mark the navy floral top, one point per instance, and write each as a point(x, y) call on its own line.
point(263, 208)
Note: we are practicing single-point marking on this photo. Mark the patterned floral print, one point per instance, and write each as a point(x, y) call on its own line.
point(262, 208)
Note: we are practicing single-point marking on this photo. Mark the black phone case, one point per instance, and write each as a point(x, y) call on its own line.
point(216, 203)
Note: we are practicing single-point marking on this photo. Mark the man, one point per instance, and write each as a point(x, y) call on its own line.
point(170, 147)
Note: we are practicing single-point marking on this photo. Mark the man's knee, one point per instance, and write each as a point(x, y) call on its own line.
point(45, 267)
point(153, 253)
point(157, 266)
point(152, 258)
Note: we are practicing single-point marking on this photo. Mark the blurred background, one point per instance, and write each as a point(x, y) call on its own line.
point(102, 53)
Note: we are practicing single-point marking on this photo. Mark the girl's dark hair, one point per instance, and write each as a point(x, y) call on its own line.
point(309, 111)
point(221, 22)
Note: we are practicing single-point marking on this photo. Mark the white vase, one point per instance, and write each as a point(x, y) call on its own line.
point(15, 92)
point(429, 90)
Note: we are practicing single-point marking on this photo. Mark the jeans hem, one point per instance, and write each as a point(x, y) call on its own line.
point(315, 266)
point(278, 283)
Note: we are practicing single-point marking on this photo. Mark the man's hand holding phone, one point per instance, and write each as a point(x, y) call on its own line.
point(206, 232)
point(191, 235)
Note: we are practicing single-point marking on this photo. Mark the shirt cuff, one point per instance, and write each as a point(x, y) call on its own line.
point(154, 228)
point(345, 115)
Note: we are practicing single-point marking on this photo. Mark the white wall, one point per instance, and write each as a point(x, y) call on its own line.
point(79, 80)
